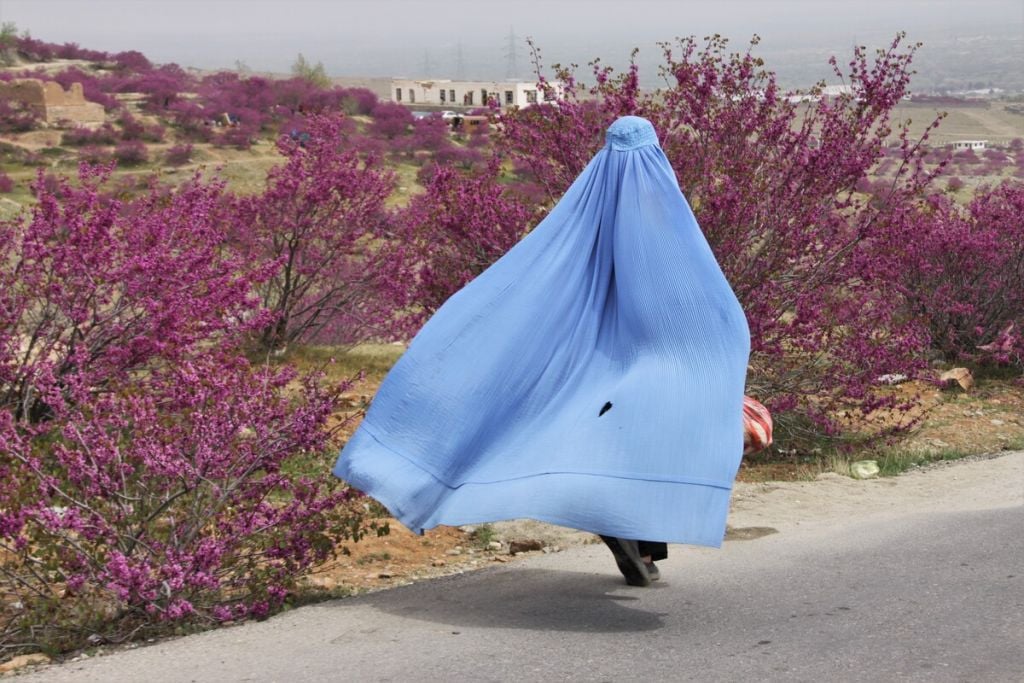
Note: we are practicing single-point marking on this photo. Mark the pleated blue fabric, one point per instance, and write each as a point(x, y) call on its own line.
point(592, 377)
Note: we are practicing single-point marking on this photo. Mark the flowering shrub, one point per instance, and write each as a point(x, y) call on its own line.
point(131, 61)
point(168, 499)
point(6, 183)
point(16, 118)
point(133, 129)
point(80, 136)
point(261, 103)
point(358, 101)
point(240, 137)
point(102, 289)
point(264, 105)
point(774, 185)
point(190, 121)
point(479, 136)
point(391, 120)
point(151, 474)
point(430, 133)
point(178, 155)
point(250, 99)
point(319, 218)
point(966, 156)
point(960, 270)
point(462, 157)
point(995, 155)
point(131, 153)
point(37, 50)
point(454, 230)
point(94, 155)
point(49, 183)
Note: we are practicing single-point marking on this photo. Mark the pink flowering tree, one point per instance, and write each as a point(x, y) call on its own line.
point(320, 218)
point(131, 153)
point(173, 498)
point(178, 155)
point(358, 101)
point(454, 230)
point(133, 129)
point(774, 183)
point(100, 289)
point(152, 475)
point(431, 134)
point(391, 120)
point(131, 61)
point(959, 269)
point(16, 117)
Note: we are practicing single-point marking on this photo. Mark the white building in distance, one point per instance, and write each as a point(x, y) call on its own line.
point(438, 92)
point(829, 91)
point(970, 144)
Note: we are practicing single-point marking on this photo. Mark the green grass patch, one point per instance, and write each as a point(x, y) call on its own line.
point(406, 184)
point(244, 177)
point(54, 152)
point(311, 595)
point(370, 558)
point(375, 360)
point(483, 535)
point(801, 451)
point(989, 371)
point(897, 459)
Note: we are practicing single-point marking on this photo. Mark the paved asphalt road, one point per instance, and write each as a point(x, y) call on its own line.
point(936, 596)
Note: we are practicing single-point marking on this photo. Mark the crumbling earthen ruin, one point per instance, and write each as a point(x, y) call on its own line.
point(52, 103)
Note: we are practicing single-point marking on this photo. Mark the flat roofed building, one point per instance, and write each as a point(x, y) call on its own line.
point(447, 93)
point(970, 144)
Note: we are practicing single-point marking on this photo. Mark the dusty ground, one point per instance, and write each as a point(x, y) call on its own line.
point(989, 418)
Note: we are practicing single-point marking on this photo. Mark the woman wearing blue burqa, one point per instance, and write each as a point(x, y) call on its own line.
point(592, 377)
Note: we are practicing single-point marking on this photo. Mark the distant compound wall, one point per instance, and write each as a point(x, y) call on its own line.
point(52, 103)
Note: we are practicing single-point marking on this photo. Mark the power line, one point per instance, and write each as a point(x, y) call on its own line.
point(460, 65)
point(511, 68)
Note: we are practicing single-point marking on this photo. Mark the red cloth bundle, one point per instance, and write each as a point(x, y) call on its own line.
point(757, 426)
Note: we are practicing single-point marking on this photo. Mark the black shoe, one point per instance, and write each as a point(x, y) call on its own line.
point(652, 571)
point(627, 556)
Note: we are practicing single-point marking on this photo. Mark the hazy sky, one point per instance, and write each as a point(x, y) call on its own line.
point(396, 37)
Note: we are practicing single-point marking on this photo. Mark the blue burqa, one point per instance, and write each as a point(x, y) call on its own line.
point(592, 377)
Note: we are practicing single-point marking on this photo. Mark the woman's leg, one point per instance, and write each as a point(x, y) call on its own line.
point(652, 551)
point(627, 557)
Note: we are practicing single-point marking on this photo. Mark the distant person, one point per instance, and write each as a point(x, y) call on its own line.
point(592, 377)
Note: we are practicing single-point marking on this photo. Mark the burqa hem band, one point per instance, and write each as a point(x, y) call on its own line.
point(610, 508)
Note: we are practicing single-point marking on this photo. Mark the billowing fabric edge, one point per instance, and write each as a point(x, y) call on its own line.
point(686, 512)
